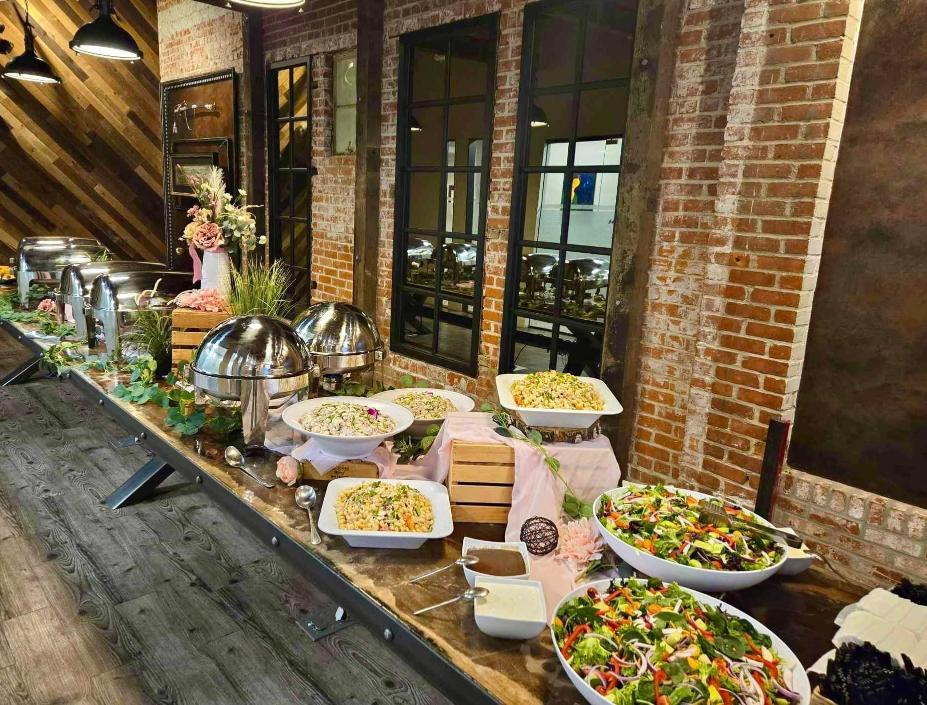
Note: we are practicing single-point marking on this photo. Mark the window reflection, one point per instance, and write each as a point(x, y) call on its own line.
point(455, 332)
point(459, 266)
point(585, 284)
point(420, 260)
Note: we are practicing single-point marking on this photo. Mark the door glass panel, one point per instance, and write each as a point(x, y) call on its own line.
point(417, 316)
point(455, 332)
point(283, 93)
point(284, 151)
point(609, 42)
point(459, 265)
point(302, 147)
point(552, 117)
point(426, 135)
point(301, 194)
point(469, 66)
point(465, 123)
point(300, 91)
point(284, 194)
point(602, 114)
point(555, 40)
point(579, 350)
point(544, 207)
point(592, 208)
point(421, 258)
point(533, 342)
point(424, 200)
point(585, 286)
point(429, 67)
point(537, 276)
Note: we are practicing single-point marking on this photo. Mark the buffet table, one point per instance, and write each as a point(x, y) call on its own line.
point(444, 645)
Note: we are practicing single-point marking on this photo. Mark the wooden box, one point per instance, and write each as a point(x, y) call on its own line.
point(188, 328)
point(349, 468)
point(480, 481)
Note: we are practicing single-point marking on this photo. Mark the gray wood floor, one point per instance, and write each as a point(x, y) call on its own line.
point(169, 601)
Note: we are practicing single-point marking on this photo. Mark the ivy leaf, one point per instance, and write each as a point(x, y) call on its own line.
point(535, 436)
point(406, 380)
point(575, 508)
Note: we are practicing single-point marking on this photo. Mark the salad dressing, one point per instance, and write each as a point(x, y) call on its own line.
point(502, 562)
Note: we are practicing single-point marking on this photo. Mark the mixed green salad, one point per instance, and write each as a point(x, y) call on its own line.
point(665, 523)
point(646, 643)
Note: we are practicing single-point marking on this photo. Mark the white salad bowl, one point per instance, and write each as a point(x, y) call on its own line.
point(434, 492)
point(557, 418)
point(419, 426)
point(799, 679)
point(347, 447)
point(471, 574)
point(672, 572)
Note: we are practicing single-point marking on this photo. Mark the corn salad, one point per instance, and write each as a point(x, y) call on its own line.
point(426, 405)
point(384, 506)
point(556, 390)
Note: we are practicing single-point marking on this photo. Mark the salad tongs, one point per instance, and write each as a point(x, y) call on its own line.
point(715, 514)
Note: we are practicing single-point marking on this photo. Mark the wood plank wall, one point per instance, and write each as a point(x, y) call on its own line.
point(84, 157)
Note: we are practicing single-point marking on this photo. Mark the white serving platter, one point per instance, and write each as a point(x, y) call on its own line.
point(434, 492)
point(799, 679)
point(685, 575)
point(419, 426)
point(557, 418)
point(348, 447)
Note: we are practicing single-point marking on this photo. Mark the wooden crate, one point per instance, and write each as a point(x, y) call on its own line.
point(349, 468)
point(480, 482)
point(188, 328)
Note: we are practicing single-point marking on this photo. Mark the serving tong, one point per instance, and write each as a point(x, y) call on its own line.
point(713, 513)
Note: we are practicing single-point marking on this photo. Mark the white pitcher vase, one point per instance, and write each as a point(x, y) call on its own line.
point(217, 271)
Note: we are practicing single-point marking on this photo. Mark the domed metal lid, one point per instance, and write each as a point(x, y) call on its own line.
point(78, 278)
point(335, 328)
point(251, 347)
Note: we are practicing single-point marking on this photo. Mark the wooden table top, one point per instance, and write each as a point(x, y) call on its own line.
point(799, 609)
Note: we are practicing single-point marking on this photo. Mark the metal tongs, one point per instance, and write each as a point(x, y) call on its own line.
point(713, 513)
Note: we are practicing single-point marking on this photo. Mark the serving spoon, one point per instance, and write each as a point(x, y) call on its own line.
point(463, 560)
point(305, 499)
point(234, 458)
point(468, 595)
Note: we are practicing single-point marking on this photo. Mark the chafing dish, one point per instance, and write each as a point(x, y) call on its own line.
point(115, 299)
point(41, 259)
point(257, 361)
point(341, 339)
point(537, 270)
point(73, 294)
point(584, 274)
point(459, 263)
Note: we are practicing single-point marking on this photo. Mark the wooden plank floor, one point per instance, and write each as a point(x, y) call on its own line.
point(169, 601)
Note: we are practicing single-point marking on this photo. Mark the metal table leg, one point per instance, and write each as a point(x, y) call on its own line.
point(21, 373)
point(142, 483)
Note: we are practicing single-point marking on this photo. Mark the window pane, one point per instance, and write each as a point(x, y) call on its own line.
point(533, 341)
point(585, 286)
point(424, 199)
point(459, 266)
point(301, 244)
point(605, 152)
point(537, 279)
point(302, 145)
point(592, 209)
point(455, 334)
point(300, 90)
point(345, 129)
point(464, 206)
point(420, 260)
point(417, 315)
point(609, 42)
point(284, 192)
point(285, 228)
point(465, 123)
point(345, 80)
point(283, 93)
point(543, 207)
point(602, 114)
point(579, 351)
point(426, 135)
point(470, 59)
point(554, 55)
point(301, 197)
point(285, 146)
point(429, 65)
point(552, 116)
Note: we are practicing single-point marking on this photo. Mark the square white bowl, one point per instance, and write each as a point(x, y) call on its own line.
point(419, 426)
point(472, 574)
point(434, 492)
point(510, 628)
point(557, 418)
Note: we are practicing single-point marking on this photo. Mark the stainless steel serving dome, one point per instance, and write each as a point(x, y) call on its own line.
point(340, 337)
point(259, 361)
point(41, 259)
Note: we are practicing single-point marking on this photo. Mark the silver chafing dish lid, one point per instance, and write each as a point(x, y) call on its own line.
point(251, 347)
point(49, 257)
point(336, 328)
point(51, 241)
point(117, 291)
point(78, 278)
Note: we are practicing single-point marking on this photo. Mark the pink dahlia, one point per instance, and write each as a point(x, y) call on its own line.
point(208, 237)
point(580, 544)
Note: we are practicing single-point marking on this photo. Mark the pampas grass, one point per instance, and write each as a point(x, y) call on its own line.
point(259, 290)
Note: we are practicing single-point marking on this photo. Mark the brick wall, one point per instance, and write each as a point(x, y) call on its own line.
point(321, 30)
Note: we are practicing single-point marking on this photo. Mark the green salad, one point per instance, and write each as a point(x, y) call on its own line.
point(646, 643)
point(665, 523)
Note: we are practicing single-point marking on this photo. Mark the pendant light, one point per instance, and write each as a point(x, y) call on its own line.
point(537, 117)
point(28, 66)
point(104, 38)
point(414, 125)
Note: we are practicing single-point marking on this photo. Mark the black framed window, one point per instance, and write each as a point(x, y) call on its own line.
point(290, 170)
point(573, 102)
point(447, 77)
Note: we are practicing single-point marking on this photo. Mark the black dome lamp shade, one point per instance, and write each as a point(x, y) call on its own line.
point(28, 66)
point(104, 38)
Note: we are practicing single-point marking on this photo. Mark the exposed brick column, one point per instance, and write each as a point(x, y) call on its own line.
point(787, 106)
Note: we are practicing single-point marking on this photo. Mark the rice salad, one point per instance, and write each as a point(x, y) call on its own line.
point(556, 390)
point(384, 506)
point(426, 405)
point(347, 420)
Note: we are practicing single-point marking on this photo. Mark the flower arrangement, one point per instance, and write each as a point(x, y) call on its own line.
point(580, 546)
point(203, 300)
point(220, 223)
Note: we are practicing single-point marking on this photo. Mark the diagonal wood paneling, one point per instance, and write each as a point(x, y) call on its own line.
point(82, 158)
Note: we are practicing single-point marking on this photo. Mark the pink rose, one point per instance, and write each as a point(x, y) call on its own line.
point(46, 305)
point(288, 470)
point(208, 237)
point(193, 211)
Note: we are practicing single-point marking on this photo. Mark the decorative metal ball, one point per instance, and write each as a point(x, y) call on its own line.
point(540, 535)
